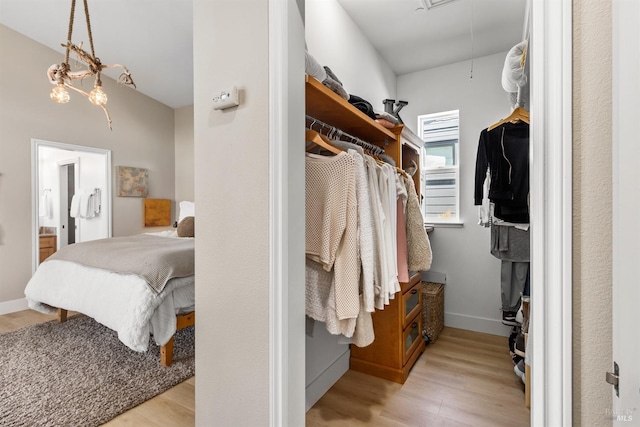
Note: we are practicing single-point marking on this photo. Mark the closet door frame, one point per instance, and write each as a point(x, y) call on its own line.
point(287, 220)
point(551, 212)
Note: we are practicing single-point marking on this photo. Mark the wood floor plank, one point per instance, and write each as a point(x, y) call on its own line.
point(164, 412)
point(463, 379)
point(131, 419)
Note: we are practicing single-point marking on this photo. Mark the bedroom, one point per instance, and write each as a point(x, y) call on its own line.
point(16, 227)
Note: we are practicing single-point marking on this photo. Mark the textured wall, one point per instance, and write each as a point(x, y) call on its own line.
point(142, 136)
point(184, 153)
point(591, 210)
point(232, 191)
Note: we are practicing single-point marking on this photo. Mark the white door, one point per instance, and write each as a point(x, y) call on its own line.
point(626, 211)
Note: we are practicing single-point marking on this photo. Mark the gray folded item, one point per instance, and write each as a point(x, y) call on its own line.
point(332, 75)
point(336, 87)
point(313, 68)
point(324, 75)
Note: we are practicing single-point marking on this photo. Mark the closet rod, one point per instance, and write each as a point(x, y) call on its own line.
point(335, 133)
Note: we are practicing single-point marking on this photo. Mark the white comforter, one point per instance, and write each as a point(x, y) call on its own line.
point(124, 303)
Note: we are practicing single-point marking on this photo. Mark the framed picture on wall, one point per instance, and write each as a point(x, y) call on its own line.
point(132, 181)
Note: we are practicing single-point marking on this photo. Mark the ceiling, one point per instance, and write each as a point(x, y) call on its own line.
point(154, 38)
point(413, 40)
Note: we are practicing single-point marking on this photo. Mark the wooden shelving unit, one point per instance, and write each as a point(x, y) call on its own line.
point(398, 328)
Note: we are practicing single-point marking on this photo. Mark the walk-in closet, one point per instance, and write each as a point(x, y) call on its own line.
point(417, 212)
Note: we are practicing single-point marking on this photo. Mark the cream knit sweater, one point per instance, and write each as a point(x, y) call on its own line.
point(418, 244)
point(332, 225)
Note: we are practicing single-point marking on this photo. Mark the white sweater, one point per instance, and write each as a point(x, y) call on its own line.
point(332, 225)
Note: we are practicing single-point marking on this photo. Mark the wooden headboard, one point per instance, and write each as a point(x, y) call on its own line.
point(157, 212)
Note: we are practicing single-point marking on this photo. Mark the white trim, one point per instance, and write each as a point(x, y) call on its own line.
point(13, 306)
point(551, 208)
point(35, 178)
point(477, 324)
point(286, 188)
point(278, 397)
point(323, 382)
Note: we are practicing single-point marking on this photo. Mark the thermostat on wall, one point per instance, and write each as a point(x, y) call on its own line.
point(226, 99)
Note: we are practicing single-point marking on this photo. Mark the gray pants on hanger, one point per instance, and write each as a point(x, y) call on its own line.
point(513, 277)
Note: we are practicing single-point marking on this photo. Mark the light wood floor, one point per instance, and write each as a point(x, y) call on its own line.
point(464, 379)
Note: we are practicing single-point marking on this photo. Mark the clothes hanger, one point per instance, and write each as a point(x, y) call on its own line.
point(518, 114)
point(401, 172)
point(321, 141)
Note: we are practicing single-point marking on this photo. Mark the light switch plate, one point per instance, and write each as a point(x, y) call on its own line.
point(227, 98)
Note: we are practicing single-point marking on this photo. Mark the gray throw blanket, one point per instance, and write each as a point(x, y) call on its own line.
point(153, 258)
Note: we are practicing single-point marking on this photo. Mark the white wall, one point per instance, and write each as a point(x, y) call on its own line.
point(142, 136)
point(472, 293)
point(232, 191)
point(90, 175)
point(184, 153)
point(335, 41)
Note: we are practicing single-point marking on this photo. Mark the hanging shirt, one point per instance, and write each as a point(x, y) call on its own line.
point(401, 232)
point(331, 237)
point(379, 256)
point(365, 231)
point(418, 244)
point(505, 151)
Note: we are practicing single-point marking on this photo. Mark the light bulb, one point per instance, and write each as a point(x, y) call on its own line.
point(97, 96)
point(59, 94)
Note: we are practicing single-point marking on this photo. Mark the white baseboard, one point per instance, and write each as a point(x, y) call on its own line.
point(326, 380)
point(7, 307)
point(477, 324)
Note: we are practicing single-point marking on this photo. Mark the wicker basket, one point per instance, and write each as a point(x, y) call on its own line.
point(433, 309)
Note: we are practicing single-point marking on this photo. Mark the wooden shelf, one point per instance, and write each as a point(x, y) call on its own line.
point(324, 104)
point(388, 356)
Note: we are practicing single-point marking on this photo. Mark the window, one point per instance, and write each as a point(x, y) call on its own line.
point(440, 166)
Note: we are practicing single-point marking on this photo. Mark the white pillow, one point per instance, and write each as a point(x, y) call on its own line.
point(186, 209)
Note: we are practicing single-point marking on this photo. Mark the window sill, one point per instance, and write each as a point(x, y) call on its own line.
point(452, 224)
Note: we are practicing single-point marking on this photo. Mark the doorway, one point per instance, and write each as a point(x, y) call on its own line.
point(68, 186)
point(60, 172)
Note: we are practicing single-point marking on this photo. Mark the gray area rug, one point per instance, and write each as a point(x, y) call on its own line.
point(78, 373)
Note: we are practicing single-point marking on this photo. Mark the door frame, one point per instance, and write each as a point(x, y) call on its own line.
point(626, 205)
point(551, 213)
point(36, 144)
point(63, 220)
point(551, 225)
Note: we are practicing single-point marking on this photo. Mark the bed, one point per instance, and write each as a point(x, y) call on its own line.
point(137, 305)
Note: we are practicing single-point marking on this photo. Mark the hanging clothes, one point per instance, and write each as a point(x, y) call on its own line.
point(364, 230)
point(387, 182)
point(331, 225)
point(504, 150)
point(418, 244)
point(379, 236)
point(402, 254)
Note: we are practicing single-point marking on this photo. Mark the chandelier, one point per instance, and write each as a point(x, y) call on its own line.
point(62, 77)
